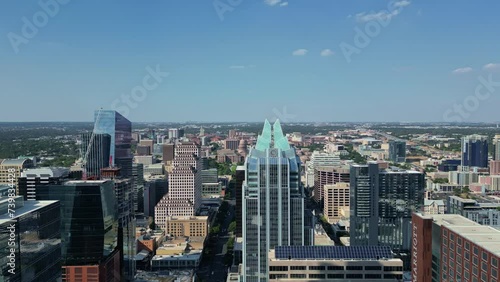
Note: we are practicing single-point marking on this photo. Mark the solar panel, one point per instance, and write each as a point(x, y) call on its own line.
point(333, 252)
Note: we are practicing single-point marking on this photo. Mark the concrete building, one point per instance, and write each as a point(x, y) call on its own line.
point(434, 207)
point(168, 153)
point(143, 150)
point(319, 159)
point(148, 143)
point(231, 144)
point(449, 247)
point(496, 147)
point(324, 175)
point(336, 196)
point(482, 213)
point(10, 170)
point(145, 160)
point(154, 169)
point(495, 167)
point(334, 263)
point(188, 226)
point(184, 192)
point(32, 178)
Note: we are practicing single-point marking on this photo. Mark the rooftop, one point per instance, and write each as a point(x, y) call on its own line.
point(332, 253)
point(28, 207)
point(46, 171)
point(14, 162)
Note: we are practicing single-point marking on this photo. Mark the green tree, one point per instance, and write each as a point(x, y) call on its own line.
point(232, 226)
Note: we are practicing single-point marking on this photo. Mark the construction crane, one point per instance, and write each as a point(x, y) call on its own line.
point(85, 157)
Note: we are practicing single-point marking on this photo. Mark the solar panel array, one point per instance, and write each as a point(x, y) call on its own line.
point(333, 252)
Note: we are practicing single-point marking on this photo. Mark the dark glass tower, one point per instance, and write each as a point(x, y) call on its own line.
point(475, 151)
point(273, 202)
point(382, 203)
point(397, 151)
point(89, 218)
point(35, 232)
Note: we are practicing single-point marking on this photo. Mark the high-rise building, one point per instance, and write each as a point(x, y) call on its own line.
point(11, 169)
point(32, 178)
point(319, 159)
point(120, 130)
point(98, 155)
point(238, 192)
point(184, 192)
point(397, 151)
point(324, 175)
point(154, 190)
point(382, 203)
point(168, 153)
point(449, 247)
point(475, 151)
point(143, 150)
point(232, 133)
point(273, 202)
point(175, 133)
point(137, 186)
point(30, 241)
point(496, 147)
point(87, 207)
point(336, 197)
point(231, 144)
point(149, 143)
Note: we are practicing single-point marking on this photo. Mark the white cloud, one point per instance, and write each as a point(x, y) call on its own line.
point(327, 53)
point(272, 2)
point(383, 15)
point(491, 66)
point(284, 4)
point(300, 52)
point(402, 3)
point(462, 70)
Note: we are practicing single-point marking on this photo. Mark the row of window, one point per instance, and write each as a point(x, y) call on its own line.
point(335, 276)
point(336, 267)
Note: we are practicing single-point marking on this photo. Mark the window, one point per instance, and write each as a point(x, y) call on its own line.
point(354, 267)
point(373, 267)
point(316, 267)
point(298, 276)
point(296, 267)
point(373, 276)
point(354, 276)
point(318, 276)
point(485, 256)
point(278, 268)
point(393, 268)
point(494, 262)
point(277, 276)
point(335, 267)
point(476, 251)
point(337, 276)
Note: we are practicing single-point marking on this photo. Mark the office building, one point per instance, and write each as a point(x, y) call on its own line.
point(496, 147)
point(238, 192)
point(32, 178)
point(187, 226)
point(397, 151)
point(148, 143)
point(98, 155)
point(120, 129)
point(10, 170)
point(184, 192)
point(143, 150)
point(138, 187)
point(154, 190)
point(319, 159)
point(30, 241)
point(231, 144)
point(495, 167)
point(168, 153)
point(475, 151)
point(484, 213)
point(336, 197)
point(334, 263)
point(449, 247)
point(175, 133)
point(273, 202)
point(382, 203)
point(209, 176)
point(324, 175)
point(87, 207)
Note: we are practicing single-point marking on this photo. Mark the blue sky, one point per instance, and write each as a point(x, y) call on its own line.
point(256, 60)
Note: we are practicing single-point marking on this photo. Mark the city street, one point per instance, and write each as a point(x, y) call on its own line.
point(213, 269)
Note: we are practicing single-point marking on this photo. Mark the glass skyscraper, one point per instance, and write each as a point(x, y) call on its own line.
point(397, 151)
point(120, 130)
point(35, 232)
point(475, 151)
point(98, 155)
point(273, 202)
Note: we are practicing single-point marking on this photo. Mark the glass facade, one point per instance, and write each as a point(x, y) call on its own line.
point(273, 202)
point(37, 242)
point(120, 130)
point(89, 218)
point(397, 151)
point(475, 151)
point(98, 155)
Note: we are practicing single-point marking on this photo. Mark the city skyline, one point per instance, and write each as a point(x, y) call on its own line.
point(277, 53)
